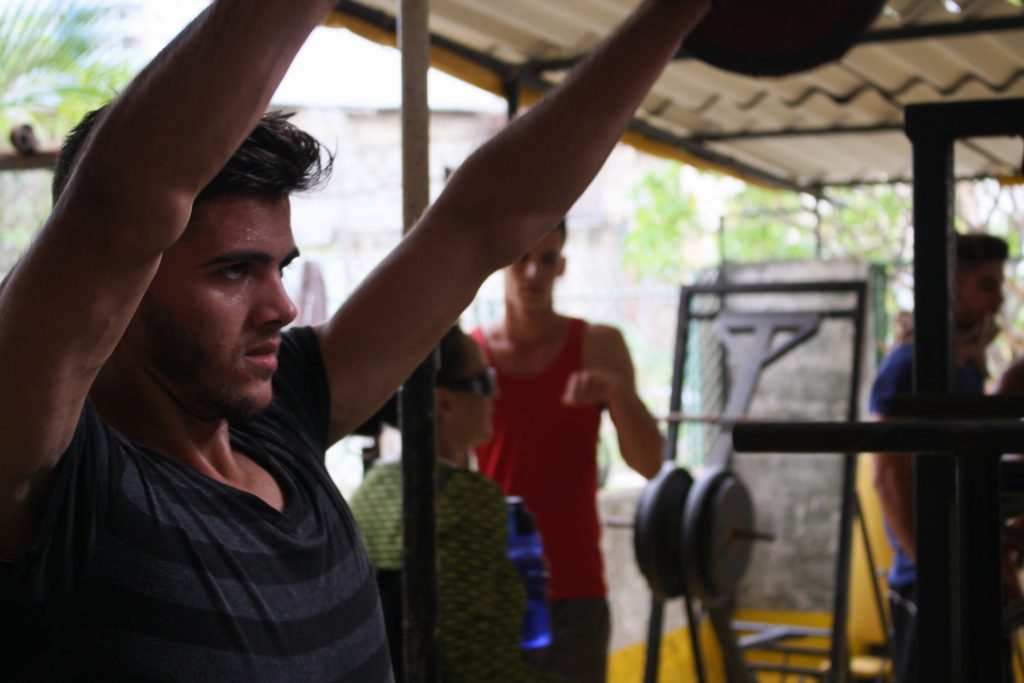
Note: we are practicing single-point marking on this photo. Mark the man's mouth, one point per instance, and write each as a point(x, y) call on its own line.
point(264, 355)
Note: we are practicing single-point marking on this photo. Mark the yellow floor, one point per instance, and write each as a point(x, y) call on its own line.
point(676, 663)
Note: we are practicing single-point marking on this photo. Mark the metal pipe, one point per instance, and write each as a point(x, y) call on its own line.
point(418, 413)
point(876, 591)
point(980, 576)
point(939, 655)
point(839, 656)
point(938, 436)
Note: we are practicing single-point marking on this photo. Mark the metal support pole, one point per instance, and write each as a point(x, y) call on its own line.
point(656, 619)
point(417, 409)
point(839, 656)
point(654, 625)
point(414, 42)
point(981, 583)
point(938, 616)
point(420, 608)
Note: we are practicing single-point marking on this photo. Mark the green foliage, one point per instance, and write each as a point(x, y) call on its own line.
point(26, 201)
point(868, 223)
point(58, 59)
point(765, 225)
point(666, 221)
point(667, 241)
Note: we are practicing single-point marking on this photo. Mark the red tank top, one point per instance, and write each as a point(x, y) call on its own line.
point(546, 452)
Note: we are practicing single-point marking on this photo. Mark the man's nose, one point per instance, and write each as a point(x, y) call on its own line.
point(274, 306)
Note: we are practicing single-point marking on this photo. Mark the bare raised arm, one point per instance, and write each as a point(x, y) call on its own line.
point(506, 196)
point(65, 306)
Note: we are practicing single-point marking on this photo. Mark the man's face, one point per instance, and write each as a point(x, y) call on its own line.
point(979, 292)
point(530, 282)
point(209, 325)
point(466, 417)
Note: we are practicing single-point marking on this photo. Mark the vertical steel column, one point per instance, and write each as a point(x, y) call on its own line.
point(839, 655)
point(417, 409)
point(675, 403)
point(940, 655)
point(981, 581)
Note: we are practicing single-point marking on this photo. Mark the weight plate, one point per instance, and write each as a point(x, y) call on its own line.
point(727, 543)
point(691, 530)
point(714, 556)
point(656, 531)
point(761, 38)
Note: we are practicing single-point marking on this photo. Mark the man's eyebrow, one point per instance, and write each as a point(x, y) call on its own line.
point(250, 255)
point(290, 256)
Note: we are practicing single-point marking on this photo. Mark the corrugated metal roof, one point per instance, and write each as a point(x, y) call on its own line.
point(840, 123)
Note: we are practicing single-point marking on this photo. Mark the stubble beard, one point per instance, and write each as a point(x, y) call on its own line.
point(190, 369)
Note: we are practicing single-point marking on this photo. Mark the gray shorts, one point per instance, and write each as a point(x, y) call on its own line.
point(580, 633)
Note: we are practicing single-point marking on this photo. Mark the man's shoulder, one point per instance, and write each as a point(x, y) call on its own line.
point(900, 357)
point(601, 333)
point(894, 376)
point(603, 345)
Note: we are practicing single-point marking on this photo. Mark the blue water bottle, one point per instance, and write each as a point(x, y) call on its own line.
point(527, 554)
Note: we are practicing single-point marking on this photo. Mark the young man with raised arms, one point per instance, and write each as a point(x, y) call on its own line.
point(164, 507)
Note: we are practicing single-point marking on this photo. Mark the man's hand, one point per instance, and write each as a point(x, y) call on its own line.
point(971, 343)
point(591, 387)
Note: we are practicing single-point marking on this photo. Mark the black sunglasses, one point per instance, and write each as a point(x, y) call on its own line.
point(482, 384)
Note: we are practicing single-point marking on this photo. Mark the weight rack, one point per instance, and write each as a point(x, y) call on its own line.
point(960, 624)
point(802, 323)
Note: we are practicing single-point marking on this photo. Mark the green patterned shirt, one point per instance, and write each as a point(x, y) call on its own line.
point(482, 600)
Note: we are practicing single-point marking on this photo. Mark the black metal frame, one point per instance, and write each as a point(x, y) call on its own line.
point(958, 509)
point(838, 653)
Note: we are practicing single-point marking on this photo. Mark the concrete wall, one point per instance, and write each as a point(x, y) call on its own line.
point(796, 497)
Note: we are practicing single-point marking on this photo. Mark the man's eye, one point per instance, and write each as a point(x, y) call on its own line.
point(235, 271)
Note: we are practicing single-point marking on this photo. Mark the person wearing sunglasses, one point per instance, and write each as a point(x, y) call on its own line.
point(482, 599)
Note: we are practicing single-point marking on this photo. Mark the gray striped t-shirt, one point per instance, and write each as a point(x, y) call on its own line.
point(145, 569)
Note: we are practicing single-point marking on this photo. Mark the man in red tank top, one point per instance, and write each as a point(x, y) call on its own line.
point(556, 375)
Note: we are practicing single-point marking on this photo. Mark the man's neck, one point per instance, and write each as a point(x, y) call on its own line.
point(529, 327)
point(150, 417)
point(452, 454)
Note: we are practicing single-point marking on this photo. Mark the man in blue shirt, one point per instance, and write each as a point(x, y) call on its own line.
point(978, 297)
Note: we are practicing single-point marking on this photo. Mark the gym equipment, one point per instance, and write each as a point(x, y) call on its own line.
point(692, 538)
point(960, 619)
point(656, 531)
point(769, 39)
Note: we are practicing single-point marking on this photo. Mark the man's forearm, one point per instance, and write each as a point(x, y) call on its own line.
point(183, 116)
point(640, 441)
point(519, 184)
point(895, 487)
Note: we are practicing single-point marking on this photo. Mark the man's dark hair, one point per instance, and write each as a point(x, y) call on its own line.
point(562, 230)
point(453, 356)
point(276, 159)
point(976, 247)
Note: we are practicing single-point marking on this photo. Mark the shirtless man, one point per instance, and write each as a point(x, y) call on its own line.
point(164, 507)
point(556, 374)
